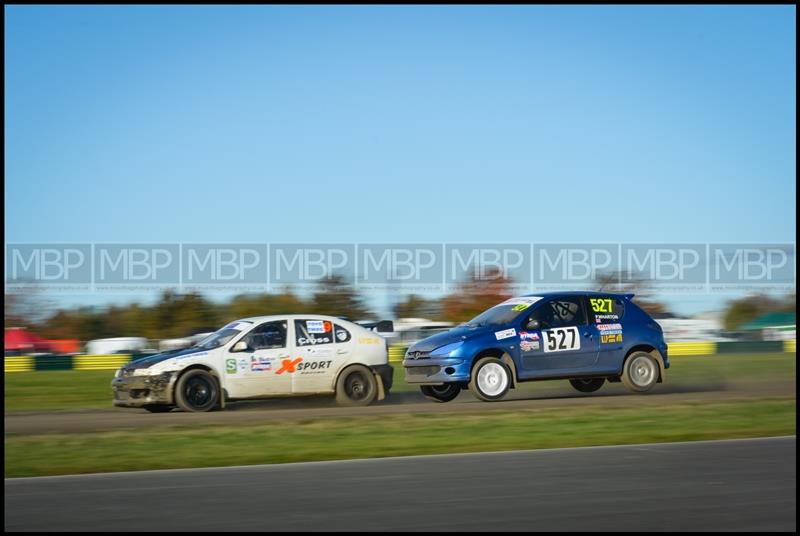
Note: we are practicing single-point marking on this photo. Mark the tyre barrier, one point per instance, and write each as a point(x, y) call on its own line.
point(30, 363)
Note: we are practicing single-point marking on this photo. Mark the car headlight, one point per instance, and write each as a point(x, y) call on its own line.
point(447, 349)
point(141, 372)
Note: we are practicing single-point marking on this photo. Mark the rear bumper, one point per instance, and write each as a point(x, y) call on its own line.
point(386, 372)
point(139, 391)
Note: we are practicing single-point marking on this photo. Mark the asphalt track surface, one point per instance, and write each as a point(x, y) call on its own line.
point(747, 484)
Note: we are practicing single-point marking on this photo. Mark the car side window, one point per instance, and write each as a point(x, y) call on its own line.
point(268, 335)
point(313, 332)
point(342, 335)
point(559, 313)
point(605, 309)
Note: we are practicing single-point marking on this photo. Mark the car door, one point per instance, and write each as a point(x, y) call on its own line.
point(317, 355)
point(560, 340)
point(606, 314)
point(259, 366)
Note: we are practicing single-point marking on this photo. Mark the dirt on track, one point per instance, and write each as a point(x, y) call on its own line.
point(313, 408)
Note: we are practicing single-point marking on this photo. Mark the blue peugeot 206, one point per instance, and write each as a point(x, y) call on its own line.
point(584, 337)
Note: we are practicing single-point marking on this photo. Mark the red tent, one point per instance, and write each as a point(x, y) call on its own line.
point(18, 339)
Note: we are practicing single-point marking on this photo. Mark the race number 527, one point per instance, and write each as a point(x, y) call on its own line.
point(561, 339)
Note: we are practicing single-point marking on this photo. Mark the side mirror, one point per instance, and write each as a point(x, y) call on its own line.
point(240, 346)
point(532, 324)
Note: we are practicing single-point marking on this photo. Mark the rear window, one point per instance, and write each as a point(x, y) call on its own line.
point(313, 332)
point(604, 309)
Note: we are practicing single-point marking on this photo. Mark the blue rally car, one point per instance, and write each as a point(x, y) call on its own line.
point(585, 337)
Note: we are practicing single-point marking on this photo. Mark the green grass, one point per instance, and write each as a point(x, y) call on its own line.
point(54, 390)
point(70, 390)
point(393, 435)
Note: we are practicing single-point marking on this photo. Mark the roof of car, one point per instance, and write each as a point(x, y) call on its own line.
point(627, 295)
point(290, 317)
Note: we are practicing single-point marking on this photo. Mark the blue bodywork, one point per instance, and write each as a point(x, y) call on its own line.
point(448, 357)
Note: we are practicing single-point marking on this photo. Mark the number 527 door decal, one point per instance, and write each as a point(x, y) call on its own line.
point(561, 339)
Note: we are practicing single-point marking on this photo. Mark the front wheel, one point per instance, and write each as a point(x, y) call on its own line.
point(356, 386)
point(587, 385)
point(491, 379)
point(441, 393)
point(640, 372)
point(197, 391)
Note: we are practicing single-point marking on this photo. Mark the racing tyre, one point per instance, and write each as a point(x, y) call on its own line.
point(158, 409)
point(197, 391)
point(587, 385)
point(356, 386)
point(491, 379)
point(640, 372)
point(441, 393)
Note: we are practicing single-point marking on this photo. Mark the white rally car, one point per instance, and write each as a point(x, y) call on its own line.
point(263, 357)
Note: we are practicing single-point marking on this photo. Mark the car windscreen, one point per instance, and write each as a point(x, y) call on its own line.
point(223, 336)
point(503, 313)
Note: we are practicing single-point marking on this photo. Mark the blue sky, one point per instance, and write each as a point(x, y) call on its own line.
point(400, 124)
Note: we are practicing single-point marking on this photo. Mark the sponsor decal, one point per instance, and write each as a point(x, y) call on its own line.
point(289, 365)
point(523, 302)
point(319, 352)
point(528, 335)
point(601, 305)
point(260, 364)
point(230, 366)
point(318, 326)
point(243, 364)
point(313, 367)
point(506, 333)
point(606, 327)
point(611, 338)
point(197, 354)
point(602, 318)
point(368, 340)
point(313, 340)
point(527, 346)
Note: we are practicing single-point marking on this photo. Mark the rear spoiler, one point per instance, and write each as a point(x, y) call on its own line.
point(382, 326)
point(628, 296)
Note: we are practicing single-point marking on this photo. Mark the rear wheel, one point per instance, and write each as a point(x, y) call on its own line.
point(356, 386)
point(441, 393)
point(587, 385)
point(640, 372)
point(197, 391)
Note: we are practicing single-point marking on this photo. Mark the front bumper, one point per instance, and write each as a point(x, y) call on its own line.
point(138, 391)
point(433, 371)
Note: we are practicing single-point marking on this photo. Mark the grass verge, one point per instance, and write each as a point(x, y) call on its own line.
point(393, 435)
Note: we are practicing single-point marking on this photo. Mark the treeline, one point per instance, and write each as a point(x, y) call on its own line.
point(180, 315)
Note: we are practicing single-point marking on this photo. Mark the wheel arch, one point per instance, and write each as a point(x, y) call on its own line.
point(648, 349)
point(199, 366)
point(500, 354)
